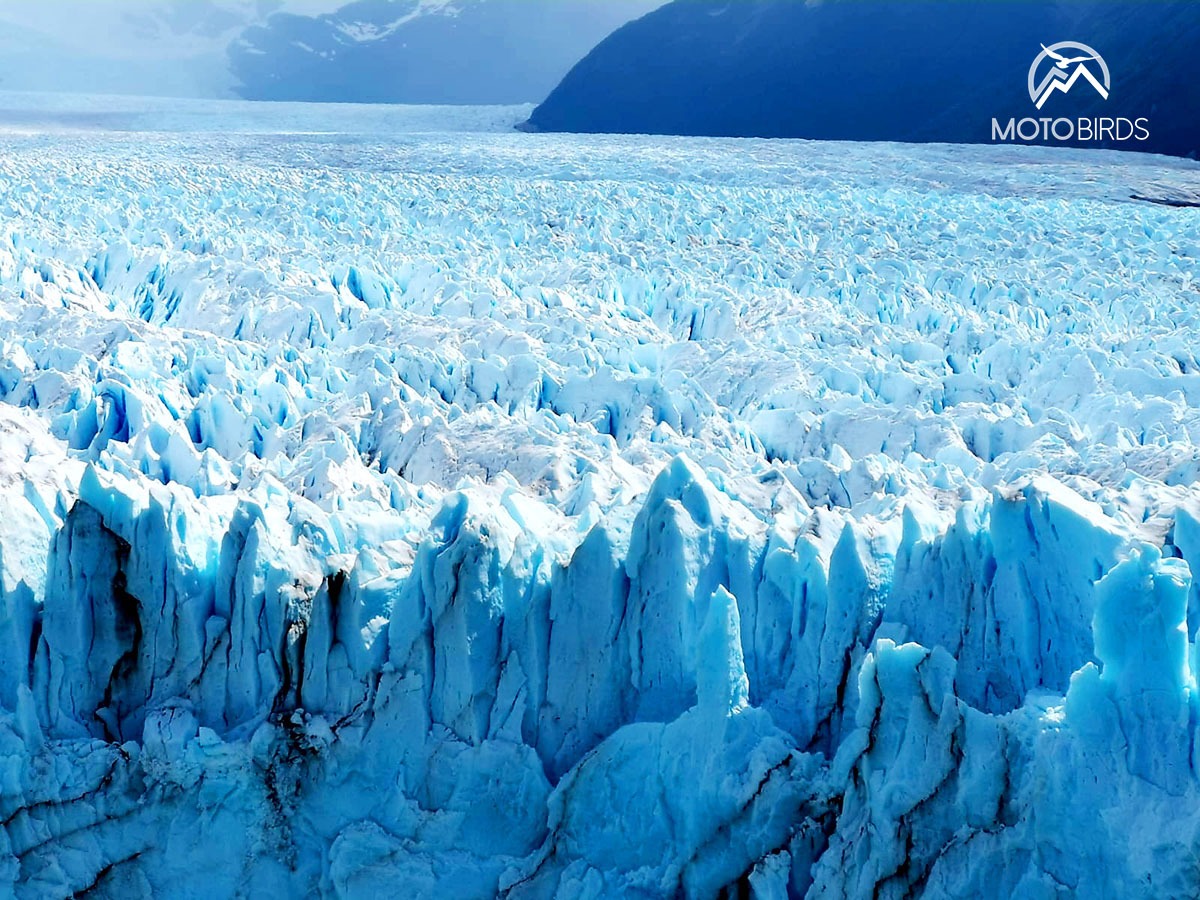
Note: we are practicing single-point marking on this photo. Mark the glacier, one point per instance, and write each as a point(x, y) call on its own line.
point(434, 510)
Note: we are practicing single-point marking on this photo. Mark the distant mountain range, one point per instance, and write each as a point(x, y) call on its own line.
point(901, 70)
point(424, 51)
point(405, 51)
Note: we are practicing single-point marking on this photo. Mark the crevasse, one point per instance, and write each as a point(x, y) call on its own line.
point(588, 518)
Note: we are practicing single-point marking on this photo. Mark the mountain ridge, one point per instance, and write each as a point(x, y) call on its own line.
point(874, 70)
point(422, 51)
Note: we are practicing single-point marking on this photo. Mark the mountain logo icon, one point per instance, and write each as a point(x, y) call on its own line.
point(1068, 63)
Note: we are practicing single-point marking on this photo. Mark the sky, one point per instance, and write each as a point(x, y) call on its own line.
point(160, 47)
point(174, 47)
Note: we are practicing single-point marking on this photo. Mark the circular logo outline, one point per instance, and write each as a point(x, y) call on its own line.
point(1052, 51)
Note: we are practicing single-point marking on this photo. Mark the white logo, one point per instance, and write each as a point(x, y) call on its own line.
point(1064, 71)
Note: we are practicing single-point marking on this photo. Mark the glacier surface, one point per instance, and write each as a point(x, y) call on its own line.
point(398, 512)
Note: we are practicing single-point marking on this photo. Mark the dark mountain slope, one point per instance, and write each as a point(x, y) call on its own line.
point(922, 70)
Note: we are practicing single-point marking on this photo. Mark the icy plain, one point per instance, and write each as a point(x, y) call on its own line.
point(403, 513)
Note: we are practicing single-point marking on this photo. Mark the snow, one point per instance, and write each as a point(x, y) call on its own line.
point(33, 112)
point(369, 31)
point(394, 504)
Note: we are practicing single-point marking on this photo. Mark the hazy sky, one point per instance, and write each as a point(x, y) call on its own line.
point(165, 47)
point(119, 27)
point(170, 46)
point(86, 23)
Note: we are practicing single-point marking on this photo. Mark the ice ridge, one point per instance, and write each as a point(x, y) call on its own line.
point(575, 517)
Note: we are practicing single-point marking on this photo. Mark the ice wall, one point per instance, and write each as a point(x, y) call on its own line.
point(594, 524)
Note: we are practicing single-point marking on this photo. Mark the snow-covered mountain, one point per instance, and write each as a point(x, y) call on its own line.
point(417, 51)
point(930, 70)
point(476, 515)
point(425, 51)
